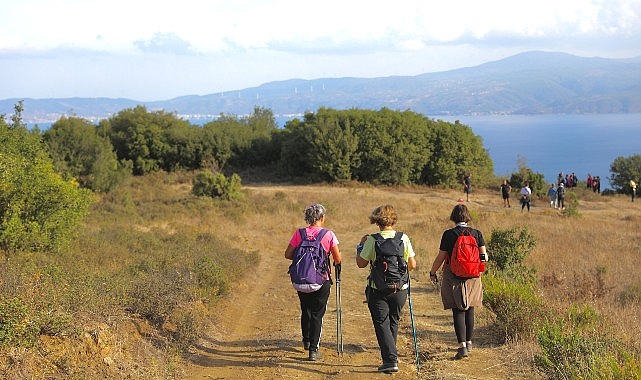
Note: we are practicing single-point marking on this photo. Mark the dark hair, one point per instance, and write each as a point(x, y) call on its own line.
point(383, 216)
point(460, 213)
point(314, 213)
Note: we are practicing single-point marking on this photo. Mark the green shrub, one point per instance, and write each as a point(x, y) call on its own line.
point(518, 309)
point(509, 248)
point(16, 328)
point(571, 204)
point(217, 185)
point(211, 276)
point(579, 347)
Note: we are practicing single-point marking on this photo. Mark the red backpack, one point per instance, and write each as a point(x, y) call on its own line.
point(465, 260)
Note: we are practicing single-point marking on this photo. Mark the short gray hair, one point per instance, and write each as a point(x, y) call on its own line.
point(314, 212)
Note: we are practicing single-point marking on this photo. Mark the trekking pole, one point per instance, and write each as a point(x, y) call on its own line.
point(339, 311)
point(409, 297)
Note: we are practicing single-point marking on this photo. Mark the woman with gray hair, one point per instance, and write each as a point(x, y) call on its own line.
point(313, 297)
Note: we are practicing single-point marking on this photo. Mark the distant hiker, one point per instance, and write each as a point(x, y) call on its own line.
point(505, 193)
point(461, 295)
point(385, 299)
point(560, 196)
point(313, 303)
point(526, 196)
point(633, 189)
point(596, 184)
point(552, 194)
point(467, 186)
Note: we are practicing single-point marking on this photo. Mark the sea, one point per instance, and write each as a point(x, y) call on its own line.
point(549, 144)
point(552, 144)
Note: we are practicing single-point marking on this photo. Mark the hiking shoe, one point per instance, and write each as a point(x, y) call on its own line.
point(305, 346)
point(388, 368)
point(314, 356)
point(461, 353)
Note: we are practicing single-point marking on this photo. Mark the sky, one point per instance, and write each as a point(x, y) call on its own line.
point(158, 50)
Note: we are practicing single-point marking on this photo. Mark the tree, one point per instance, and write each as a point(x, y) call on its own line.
point(456, 151)
point(79, 152)
point(623, 170)
point(141, 137)
point(39, 210)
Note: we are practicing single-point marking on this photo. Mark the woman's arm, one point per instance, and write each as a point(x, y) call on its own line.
point(336, 254)
point(289, 252)
point(438, 261)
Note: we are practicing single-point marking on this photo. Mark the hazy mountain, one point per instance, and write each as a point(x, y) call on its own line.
point(527, 83)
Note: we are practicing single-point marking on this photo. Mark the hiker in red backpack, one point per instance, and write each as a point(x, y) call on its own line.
point(391, 257)
point(313, 301)
point(461, 294)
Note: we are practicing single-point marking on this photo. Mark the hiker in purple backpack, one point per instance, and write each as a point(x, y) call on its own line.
point(461, 295)
point(313, 302)
point(385, 305)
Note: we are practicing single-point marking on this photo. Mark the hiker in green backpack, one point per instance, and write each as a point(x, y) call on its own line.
point(385, 305)
point(461, 295)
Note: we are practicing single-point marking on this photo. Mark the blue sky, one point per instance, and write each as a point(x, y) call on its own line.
point(156, 50)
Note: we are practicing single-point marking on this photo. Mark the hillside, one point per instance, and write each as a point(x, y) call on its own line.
point(527, 83)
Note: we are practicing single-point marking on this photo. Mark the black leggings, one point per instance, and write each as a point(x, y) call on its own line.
point(463, 324)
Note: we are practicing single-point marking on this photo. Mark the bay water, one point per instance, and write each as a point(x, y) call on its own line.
point(549, 144)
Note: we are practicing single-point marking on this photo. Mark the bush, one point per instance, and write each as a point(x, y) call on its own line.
point(16, 328)
point(517, 307)
point(509, 248)
point(577, 346)
point(217, 185)
point(39, 209)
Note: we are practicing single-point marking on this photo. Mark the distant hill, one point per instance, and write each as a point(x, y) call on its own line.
point(527, 83)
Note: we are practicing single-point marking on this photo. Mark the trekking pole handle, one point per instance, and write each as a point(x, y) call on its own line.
point(337, 267)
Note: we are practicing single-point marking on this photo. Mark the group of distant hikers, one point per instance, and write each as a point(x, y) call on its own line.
point(390, 257)
point(556, 191)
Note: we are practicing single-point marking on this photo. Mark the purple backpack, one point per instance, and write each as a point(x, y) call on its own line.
point(310, 264)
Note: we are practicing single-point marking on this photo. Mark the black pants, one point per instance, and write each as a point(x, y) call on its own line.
point(312, 311)
point(463, 324)
point(385, 309)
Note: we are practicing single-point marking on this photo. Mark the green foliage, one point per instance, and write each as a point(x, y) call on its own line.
point(79, 152)
point(578, 346)
point(383, 146)
point(572, 204)
point(16, 328)
point(624, 169)
point(536, 180)
point(243, 142)
point(211, 276)
point(508, 248)
point(517, 307)
point(456, 151)
point(39, 210)
point(143, 138)
point(217, 185)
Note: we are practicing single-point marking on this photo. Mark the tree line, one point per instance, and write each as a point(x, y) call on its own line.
point(384, 146)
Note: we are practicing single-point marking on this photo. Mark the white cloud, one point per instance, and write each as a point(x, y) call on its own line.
point(75, 47)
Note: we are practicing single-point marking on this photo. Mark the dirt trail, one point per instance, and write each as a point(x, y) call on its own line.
point(259, 332)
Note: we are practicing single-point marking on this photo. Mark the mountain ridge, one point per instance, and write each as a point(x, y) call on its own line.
point(527, 83)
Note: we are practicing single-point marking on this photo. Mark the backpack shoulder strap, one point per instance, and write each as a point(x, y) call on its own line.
point(303, 233)
point(378, 236)
point(321, 234)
